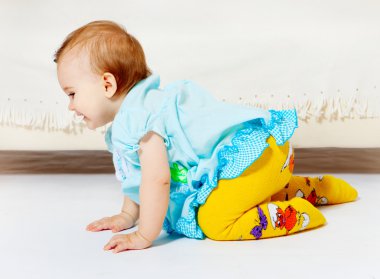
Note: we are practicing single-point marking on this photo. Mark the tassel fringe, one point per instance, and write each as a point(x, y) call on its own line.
point(42, 119)
point(333, 108)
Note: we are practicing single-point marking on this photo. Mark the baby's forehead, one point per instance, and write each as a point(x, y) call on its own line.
point(72, 70)
point(75, 58)
point(74, 53)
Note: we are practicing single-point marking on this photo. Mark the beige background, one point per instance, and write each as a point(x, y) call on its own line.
point(261, 52)
point(348, 133)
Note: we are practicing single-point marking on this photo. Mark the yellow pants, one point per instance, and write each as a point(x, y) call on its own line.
point(241, 208)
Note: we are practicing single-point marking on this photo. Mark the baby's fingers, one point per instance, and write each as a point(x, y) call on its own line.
point(119, 243)
point(121, 246)
point(98, 226)
point(116, 229)
point(111, 244)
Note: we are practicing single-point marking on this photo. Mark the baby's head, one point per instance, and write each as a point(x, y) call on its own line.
point(97, 65)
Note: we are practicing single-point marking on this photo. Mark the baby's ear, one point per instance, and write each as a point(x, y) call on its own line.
point(109, 84)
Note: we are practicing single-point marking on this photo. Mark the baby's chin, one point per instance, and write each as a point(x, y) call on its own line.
point(92, 125)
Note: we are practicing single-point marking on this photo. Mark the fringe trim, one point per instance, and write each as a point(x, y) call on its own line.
point(332, 108)
point(42, 119)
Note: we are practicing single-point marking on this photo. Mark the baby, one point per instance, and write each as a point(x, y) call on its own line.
point(187, 163)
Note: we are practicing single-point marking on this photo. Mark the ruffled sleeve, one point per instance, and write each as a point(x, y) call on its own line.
point(128, 127)
point(132, 124)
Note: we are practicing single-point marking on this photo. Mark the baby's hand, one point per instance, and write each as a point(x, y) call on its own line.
point(131, 241)
point(115, 223)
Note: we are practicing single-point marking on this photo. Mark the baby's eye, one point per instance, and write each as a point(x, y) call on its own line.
point(71, 95)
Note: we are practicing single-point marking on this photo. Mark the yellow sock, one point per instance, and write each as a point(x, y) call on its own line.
point(320, 190)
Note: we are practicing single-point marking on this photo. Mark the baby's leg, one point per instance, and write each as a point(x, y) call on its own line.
point(231, 211)
point(274, 219)
point(320, 190)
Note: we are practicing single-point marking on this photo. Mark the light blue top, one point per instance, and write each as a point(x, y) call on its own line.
point(206, 140)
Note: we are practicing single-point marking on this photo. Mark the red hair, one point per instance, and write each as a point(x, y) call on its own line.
point(111, 49)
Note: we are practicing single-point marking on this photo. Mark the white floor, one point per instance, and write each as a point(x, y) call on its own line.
point(43, 219)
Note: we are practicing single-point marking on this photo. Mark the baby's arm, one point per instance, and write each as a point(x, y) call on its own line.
point(154, 195)
point(155, 185)
point(130, 209)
